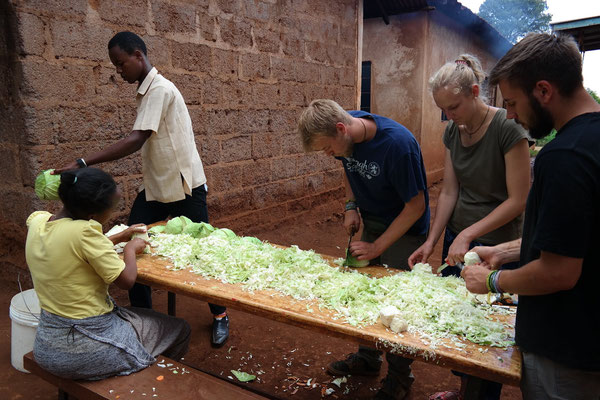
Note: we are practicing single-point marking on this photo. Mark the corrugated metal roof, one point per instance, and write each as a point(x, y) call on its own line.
point(586, 31)
point(379, 8)
point(497, 43)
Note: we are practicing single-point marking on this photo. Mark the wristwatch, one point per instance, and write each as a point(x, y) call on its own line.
point(81, 163)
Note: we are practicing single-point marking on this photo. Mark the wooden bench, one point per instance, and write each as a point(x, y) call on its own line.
point(165, 379)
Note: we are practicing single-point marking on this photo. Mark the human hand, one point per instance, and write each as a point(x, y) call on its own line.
point(364, 250)
point(420, 255)
point(125, 236)
point(475, 277)
point(490, 256)
point(136, 245)
point(351, 221)
point(457, 250)
point(135, 228)
point(68, 167)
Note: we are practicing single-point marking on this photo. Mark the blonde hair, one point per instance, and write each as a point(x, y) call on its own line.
point(459, 76)
point(319, 119)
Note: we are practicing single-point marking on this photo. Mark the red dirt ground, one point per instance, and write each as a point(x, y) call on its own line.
point(282, 351)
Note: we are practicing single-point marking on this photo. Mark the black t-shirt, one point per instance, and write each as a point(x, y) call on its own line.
point(563, 217)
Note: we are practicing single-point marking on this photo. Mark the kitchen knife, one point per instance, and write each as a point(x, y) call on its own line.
point(352, 232)
point(459, 265)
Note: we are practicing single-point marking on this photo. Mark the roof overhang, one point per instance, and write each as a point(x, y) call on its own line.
point(497, 43)
point(586, 31)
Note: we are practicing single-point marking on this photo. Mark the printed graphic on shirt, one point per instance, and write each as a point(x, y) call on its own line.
point(366, 169)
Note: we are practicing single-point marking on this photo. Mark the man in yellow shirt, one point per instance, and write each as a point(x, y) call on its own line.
point(174, 180)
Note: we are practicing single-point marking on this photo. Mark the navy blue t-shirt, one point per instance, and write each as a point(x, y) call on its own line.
point(563, 217)
point(387, 171)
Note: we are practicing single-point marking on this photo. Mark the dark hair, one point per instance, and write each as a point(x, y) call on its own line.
point(541, 56)
point(86, 191)
point(128, 42)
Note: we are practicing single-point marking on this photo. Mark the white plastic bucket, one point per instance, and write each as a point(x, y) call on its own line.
point(24, 326)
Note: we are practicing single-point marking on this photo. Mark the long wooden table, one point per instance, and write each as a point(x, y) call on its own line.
point(500, 365)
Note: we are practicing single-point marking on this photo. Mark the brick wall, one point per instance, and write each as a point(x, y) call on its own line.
point(245, 68)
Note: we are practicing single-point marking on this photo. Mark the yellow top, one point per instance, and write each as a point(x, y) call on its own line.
point(72, 263)
point(171, 163)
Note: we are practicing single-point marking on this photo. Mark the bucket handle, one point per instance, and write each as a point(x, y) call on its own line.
point(24, 300)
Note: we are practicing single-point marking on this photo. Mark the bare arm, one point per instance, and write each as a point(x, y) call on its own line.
point(125, 235)
point(120, 149)
point(443, 211)
point(128, 276)
point(412, 211)
point(351, 217)
point(503, 253)
point(550, 273)
point(517, 184)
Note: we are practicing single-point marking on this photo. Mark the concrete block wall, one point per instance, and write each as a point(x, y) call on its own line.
point(246, 68)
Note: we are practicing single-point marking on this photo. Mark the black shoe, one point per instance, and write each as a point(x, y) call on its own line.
point(394, 389)
point(353, 365)
point(220, 331)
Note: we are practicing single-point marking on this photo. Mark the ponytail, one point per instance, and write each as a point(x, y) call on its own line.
point(459, 76)
point(86, 191)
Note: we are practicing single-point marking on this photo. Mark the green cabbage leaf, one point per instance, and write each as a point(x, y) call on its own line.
point(46, 185)
point(434, 307)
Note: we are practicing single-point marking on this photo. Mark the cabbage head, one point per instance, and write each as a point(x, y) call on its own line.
point(46, 185)
point(251, 239)
point(354, 262)
point(230, 234)
point(223, 233)
point(174, 226)
point(198, 230)
point(157, 229)
point(185, 220)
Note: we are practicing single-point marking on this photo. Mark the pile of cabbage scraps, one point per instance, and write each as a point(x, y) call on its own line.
point(434, 307)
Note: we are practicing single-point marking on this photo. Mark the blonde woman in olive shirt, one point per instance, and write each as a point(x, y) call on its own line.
point(486, 174)
point(486, 177)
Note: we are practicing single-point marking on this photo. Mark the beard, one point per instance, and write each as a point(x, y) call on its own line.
point(348, 151)
point(542, 122)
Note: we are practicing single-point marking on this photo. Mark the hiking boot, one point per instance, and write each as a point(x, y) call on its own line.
point(353, 365)
point(393, 389)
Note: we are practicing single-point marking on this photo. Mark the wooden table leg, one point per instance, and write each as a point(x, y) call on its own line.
point(171, 303)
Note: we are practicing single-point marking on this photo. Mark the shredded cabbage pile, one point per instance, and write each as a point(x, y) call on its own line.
point(434, 307)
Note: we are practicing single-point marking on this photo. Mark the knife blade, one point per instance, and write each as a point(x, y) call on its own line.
point(459, 265)
point(352, 232)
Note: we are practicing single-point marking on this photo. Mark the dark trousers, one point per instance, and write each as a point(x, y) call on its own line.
point(395, 256)
point(489, 390)
point(149, 212)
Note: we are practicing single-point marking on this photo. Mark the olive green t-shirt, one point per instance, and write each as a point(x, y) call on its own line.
point(481, 173)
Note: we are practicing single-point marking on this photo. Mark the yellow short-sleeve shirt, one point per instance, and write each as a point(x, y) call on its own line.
point(72, 263)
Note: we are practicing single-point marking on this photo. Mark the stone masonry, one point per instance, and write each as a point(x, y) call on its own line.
point(246, 68)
